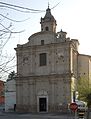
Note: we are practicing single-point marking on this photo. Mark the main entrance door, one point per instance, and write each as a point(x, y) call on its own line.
point(42, 105)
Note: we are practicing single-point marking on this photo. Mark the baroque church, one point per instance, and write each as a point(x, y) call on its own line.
point(48, 67)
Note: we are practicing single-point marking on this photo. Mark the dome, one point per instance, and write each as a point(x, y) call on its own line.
point(48, 15)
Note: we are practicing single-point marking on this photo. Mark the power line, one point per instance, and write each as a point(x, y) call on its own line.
point(21, 7)
point(56, 5)
point(11, 6)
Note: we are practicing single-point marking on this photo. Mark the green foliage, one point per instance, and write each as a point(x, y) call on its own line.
point(11, 76)
point(84, 90)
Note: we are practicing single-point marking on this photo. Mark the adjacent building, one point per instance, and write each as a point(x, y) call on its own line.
point(2, 96)
point(48, 66)
point(10, 95)
point(84, 67)
point(2, 92)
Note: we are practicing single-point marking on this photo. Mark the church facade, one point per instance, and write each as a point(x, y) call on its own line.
point(47, 69)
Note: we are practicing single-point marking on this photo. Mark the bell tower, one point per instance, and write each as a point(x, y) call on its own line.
point(48, 23)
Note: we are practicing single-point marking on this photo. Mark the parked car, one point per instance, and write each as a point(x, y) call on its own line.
point(81, 105)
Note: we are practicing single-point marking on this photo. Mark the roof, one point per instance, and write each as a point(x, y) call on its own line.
point(48, 16)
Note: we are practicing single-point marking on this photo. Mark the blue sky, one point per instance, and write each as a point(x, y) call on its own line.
point(72, 16)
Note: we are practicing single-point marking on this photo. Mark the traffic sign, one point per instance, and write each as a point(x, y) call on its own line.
point(73, 106)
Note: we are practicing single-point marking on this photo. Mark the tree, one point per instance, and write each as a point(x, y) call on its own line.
point(11, 76)
point(84, 92)
point(5, 35)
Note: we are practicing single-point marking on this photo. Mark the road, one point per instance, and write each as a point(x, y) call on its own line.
point(34, 116)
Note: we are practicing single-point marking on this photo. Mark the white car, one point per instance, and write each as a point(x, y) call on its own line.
point(81, 105)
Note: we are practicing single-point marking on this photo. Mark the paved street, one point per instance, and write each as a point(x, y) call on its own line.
point(34, 116)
